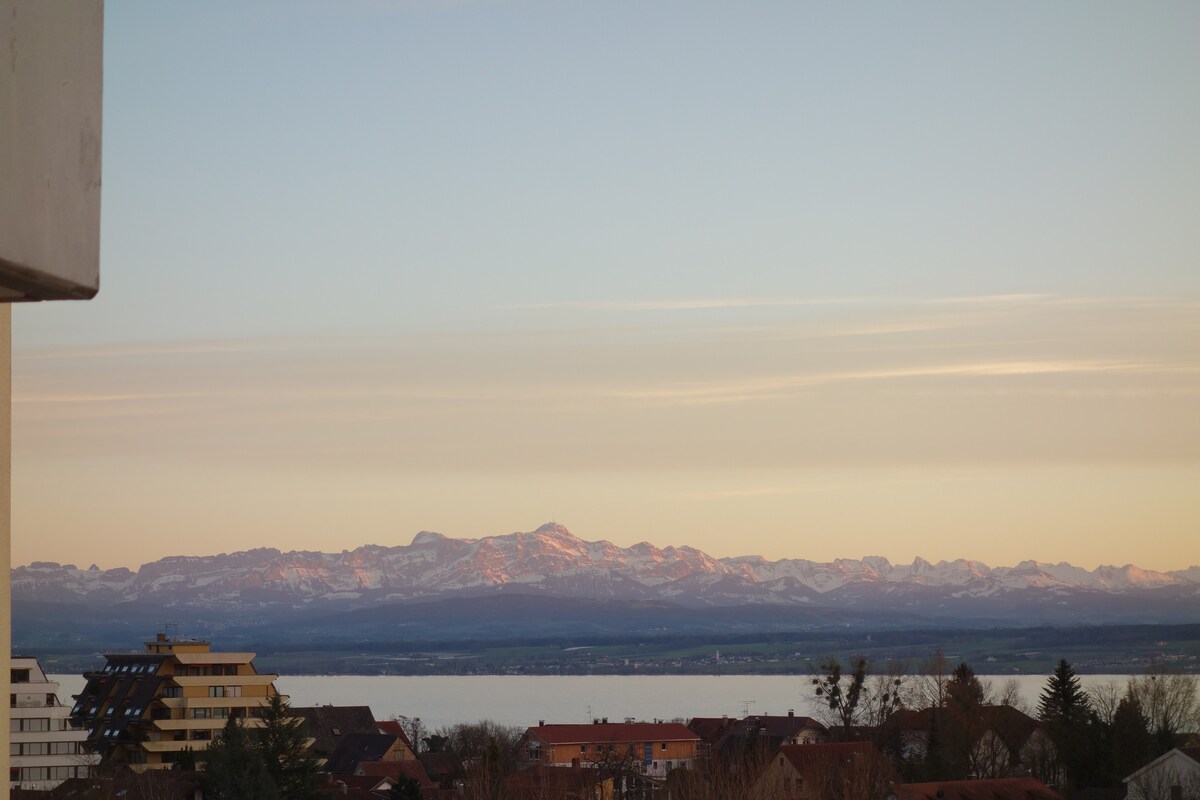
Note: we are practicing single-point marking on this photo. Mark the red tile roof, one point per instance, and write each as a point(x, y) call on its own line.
point(997, 789)
point(614, 732)
point(805, 756)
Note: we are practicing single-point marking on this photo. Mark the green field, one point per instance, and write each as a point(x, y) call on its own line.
point(1114, 649)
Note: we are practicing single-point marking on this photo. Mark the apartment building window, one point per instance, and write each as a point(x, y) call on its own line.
point(20, 676)
point(221, 713)
point(216, 691)
point(28, 725)
point(200, 713)
point(64, 748)
point(664, 746)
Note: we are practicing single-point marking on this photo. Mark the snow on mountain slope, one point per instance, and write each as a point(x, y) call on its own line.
point(551, 560)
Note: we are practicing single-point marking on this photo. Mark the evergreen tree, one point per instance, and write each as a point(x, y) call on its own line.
point(405, 789)
point(234, 767)
point(964, 688)
point(1130, 741)
point(285, 750)
point(1064, 710)
point(185, 761)
point(961, 723)
point(1063, 700)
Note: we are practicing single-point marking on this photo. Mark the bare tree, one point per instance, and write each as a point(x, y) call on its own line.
point(840, 695)
point(1169, 701)
point(749, 778)
point(860, 776)
point(1009, 694)
point(414, 729)
point(1104, 699)
point(887, 693)
point(929, 684)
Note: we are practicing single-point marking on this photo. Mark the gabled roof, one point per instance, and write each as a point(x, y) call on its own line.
point(441, 766)
point(709, 728)
point(1012, 725)
point(994, 789)
point(328, 725)
point(804, 757)
point(1192, 753)
point(408, 768)
point(614, 732)
point(152, 784)
point(358, 747)
point(356, 787)
point(764, 732)
point(396, 729)
point(556, 780)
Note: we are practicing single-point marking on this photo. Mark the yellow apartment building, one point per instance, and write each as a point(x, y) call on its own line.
point(652, 748)
point(144, 709)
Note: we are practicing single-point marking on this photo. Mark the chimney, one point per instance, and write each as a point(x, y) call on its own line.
point(604, 720)
point(791, 712)
point(596, 721)
point(541, 723)
point(161, 637)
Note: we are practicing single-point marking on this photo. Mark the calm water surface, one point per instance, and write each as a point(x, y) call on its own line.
point(524, 699)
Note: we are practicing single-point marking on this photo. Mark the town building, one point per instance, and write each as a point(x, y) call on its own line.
point(726, 739)
point(44, 749)
point(650, 748)
point(1175, 773)
point(814, 771)
point(144, 709)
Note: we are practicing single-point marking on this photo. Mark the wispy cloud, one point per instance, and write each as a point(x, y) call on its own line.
point(777, 386)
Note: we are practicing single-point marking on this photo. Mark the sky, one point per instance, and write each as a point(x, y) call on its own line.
point(801, 280)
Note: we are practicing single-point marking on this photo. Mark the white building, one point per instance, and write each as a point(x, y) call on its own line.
point(1171, 776)
point(44, 750)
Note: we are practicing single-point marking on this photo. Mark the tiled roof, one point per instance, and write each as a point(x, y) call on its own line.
point(395, 728)
point(358, 747)
point(441, 766)
point(329, 724)
point(355, 787)
point(805, 756)
point(996, 789)
point(152, 784)
point(541, 778)
point(614, 732)
point(709, 728)
point(408, 768)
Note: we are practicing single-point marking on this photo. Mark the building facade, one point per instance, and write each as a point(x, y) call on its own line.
point(44, 749)
point(144, 709)
point(650, 748)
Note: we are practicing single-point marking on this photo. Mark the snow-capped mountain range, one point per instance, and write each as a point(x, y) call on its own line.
point(552, 561)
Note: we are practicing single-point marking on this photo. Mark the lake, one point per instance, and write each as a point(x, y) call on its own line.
point(522, 700)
